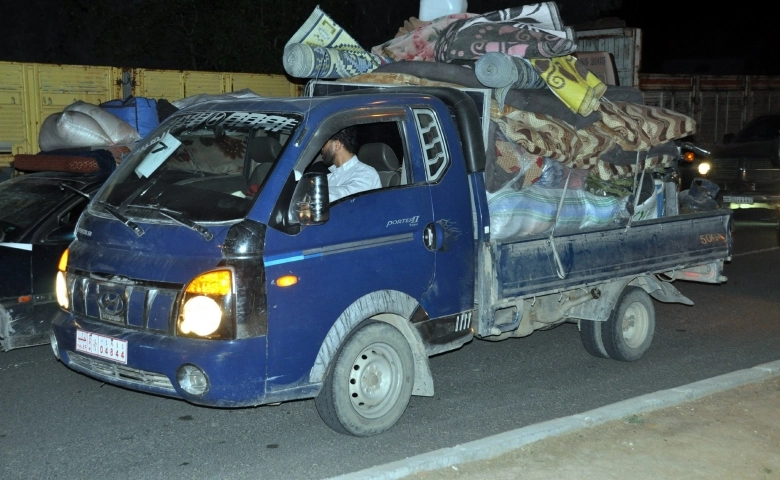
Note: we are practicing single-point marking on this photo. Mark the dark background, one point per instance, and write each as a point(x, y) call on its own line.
point(249, 35)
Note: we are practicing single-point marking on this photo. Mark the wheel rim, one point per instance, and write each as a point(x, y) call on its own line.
point(636, 323)
point(375, 380)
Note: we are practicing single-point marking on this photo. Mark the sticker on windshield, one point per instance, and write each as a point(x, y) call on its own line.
point(157, 155)
point(235, 120)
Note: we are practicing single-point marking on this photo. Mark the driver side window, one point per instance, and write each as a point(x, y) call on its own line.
point(378, 145)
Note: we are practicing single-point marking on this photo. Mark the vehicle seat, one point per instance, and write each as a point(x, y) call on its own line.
point(383, 159)
point(263, 152)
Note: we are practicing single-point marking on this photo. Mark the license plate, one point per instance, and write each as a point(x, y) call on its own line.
point(101, 346)
point(735, 199)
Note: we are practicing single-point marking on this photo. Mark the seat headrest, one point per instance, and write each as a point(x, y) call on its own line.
point(378, 155)
point(264, 149)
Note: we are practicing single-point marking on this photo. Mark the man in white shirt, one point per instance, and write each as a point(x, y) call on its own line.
point(347, 175)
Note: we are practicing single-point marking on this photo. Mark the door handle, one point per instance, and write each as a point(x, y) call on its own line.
point(433, 236)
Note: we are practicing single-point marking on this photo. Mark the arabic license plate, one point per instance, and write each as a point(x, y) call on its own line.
point(101, 346)
point(736, 199)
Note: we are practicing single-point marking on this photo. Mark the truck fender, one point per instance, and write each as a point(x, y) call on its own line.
point(388, 306)
point(661, 291)
point(610, 292)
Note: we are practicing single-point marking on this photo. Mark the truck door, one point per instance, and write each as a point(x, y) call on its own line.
point(452, 229)
point(373, 241)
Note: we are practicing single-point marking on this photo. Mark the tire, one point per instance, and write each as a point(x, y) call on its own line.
point(370, 382)
point(590, 333)
point(629, 331)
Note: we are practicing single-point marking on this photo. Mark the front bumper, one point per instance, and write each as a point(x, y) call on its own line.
point(235, 368)
point(749, 200)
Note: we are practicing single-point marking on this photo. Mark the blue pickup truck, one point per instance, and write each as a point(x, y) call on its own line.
point(211, 267)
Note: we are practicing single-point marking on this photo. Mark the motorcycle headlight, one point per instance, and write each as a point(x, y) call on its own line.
point(207, 307)
point(704, 167)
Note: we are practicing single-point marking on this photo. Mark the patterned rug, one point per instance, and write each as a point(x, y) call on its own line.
point(634, 128)
point(529, 31)
point(607, 145)
point(416, 42)
point(504, 72)
point(322, 49)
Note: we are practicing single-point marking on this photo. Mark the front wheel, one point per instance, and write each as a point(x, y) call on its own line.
point(370, 383)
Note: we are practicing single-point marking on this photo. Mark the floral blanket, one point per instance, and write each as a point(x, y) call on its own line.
point(529, 31)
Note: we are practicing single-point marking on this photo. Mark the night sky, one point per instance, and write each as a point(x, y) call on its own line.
point(678, 36)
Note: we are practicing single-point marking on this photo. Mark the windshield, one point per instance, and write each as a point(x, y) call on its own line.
point(763, 128)
point(200, 167)
point(27, 199)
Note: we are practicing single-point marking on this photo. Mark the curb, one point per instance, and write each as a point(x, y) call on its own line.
point(502, 443)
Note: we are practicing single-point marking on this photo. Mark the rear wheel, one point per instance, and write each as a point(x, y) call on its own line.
point(370, 383)
point(590, 333)
point(629, 331)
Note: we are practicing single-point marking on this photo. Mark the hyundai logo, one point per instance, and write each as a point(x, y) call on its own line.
point(111, 302)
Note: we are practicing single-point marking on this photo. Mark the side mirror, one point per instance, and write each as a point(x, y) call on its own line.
point(728, 138)
point(310, 204)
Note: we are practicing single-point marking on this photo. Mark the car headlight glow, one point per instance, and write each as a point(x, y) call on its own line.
point(61, 286)
point(201, 316)
point(207, 307)
point(62, 291)
point(704, 167)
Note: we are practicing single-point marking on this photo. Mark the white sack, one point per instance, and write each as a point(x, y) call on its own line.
point(71, 129)
point(119, 131)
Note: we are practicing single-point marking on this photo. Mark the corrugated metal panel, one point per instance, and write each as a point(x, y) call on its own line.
point(196, 83)
point(31, 92)
point(266, 85)
point(679, 101)
point(174, 85)
point(720, 104)
point(51, 88)
point(13, 119)
point(765, 102)
point(623, 43)
point(167, 84)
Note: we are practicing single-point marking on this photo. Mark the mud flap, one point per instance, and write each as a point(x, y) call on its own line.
point(662, 291)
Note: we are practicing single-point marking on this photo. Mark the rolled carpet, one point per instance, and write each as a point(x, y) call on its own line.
point(504, 72)
point(305, 61)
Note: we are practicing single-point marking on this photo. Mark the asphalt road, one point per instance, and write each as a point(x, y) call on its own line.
point(55, 423)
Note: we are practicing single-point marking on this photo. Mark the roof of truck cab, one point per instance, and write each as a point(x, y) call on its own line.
point(306, 104)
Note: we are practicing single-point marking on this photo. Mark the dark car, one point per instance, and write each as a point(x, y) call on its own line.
point(38, 215)
point(747, 166)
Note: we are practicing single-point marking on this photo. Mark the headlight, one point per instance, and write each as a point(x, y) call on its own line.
point(61, 286)
point(207, 307)
point(62, 291)
point(704, 167)
point(201, 316)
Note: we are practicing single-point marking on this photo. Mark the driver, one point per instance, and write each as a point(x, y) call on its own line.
point(347, 175)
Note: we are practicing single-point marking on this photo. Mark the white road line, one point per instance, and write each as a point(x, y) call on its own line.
point(755, 251)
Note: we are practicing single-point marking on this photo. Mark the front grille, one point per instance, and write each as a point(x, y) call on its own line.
point(110, 370)
point(126, 303)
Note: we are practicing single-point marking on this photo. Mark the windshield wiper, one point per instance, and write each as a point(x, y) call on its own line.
point(113, 211)
point(64, 185)
point(178, 218)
